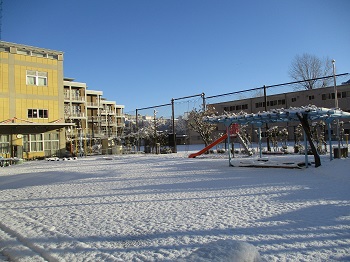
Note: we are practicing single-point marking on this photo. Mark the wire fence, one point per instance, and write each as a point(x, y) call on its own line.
point(164, 125)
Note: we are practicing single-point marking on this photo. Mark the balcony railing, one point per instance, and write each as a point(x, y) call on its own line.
point(107, 112)
point(74, 115)
point(73, 97)
point(94, 104)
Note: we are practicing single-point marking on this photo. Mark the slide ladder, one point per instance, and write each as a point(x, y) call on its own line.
point(244, 144)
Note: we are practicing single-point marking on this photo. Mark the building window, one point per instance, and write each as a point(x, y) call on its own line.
point(4, 144)
point(311, 97)
point(331, 96)
point(51, 144)
point(259, 104)
point(281, 102)
point(38, 113)
point(33, 143)
point(294, 99)
point(36, 78)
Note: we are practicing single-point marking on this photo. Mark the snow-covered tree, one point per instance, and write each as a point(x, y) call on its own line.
point(196, 123)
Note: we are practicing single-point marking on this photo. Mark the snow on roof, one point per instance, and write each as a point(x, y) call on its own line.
point(279, 115)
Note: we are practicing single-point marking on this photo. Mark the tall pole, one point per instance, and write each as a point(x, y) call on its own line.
point(204, 104)
point(92, 127)
point(137, 131)
point(336, 107)
point(267, 126)
point(335, 86)
point(173, 124)
point(108, 121)
point(155, 129)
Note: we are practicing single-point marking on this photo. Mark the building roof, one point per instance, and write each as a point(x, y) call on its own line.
point(20, 126)
point(27, 47)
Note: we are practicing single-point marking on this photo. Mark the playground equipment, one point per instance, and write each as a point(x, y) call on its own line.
point(217, 141)
point(234, 131)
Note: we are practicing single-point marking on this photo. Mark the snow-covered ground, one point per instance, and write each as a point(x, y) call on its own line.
point(172, 208)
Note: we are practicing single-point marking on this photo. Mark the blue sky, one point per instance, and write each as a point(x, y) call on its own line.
point(142, 53)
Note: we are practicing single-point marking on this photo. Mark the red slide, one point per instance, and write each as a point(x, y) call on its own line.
point(217, 141)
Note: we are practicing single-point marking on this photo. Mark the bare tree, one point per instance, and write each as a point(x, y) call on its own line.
point(306, 67)
point(196, 123)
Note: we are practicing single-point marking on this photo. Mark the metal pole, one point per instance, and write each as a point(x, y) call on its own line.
point(92, 127)
point(305, 149)
point(336, 106)
point(259, 136)
point(173, 125)
point(137, 131)
point(267, 126)
point(155, 129)
point(228, 144)
point(109, 130)
point(330, 140)
point(335, 86)
point(204, 104)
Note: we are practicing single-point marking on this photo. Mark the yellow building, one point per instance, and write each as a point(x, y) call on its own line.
point(31, 102)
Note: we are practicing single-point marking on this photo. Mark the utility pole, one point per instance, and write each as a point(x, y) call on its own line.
point(336, 107)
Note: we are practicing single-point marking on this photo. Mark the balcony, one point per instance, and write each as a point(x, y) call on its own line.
point(107, 112)
point(73, 97)
point(92, 104)
point(74, 115)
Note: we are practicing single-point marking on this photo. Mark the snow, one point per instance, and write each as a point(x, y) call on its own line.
point(173, 208)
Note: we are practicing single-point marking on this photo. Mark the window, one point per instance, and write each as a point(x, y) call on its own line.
point(312, 97)
point(36, 78)
point(38, 113)
point(51, 143)
point(324, 97)
point(294, 99)
point(259, 104)
point(35, 143)
point(4, 144)
point(281, 102)
point(331, 96)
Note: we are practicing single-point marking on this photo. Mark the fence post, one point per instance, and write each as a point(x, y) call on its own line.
point(173, 125)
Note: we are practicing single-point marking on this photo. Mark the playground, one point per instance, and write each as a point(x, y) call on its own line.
point(168, 207)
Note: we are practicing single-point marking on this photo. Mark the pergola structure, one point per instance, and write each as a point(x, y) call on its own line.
point(301, 114)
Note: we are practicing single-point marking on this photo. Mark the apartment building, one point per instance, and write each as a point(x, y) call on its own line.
point(42, 113)
point(95, 117)
point(321, 97)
